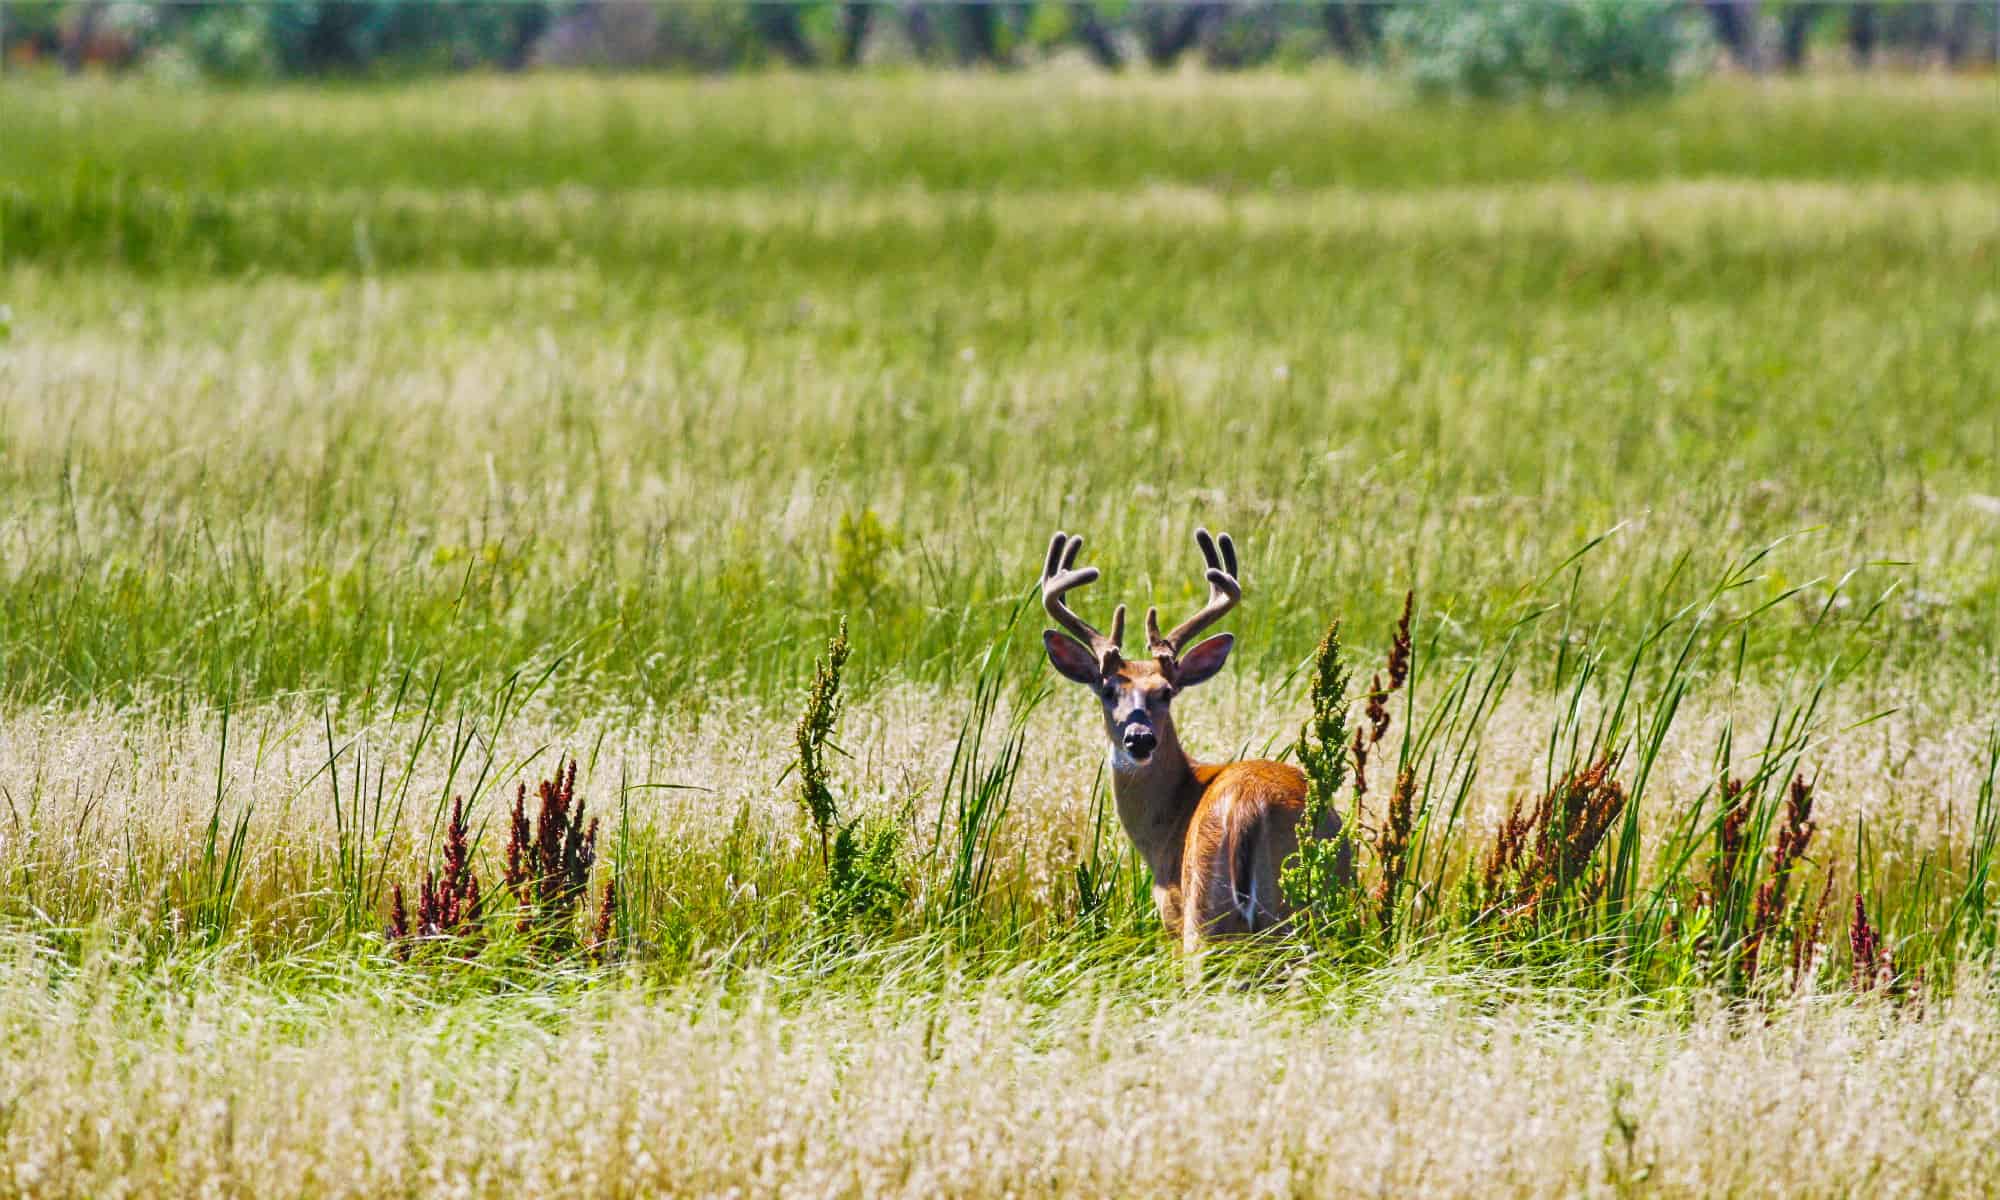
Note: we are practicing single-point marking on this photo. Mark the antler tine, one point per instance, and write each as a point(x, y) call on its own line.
point(1224, 591)
point(1059, 576)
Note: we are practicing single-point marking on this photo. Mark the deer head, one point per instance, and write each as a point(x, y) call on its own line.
point(1136, 694)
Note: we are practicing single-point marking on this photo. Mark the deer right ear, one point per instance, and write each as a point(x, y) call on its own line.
point(1200, 664)
point(1071, 660)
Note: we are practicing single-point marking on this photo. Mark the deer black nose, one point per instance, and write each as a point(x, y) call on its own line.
point(1139, 741)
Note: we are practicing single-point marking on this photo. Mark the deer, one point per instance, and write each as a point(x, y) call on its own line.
point(1214, 835)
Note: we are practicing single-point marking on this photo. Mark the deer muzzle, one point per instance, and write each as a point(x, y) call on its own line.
point(1140, 741)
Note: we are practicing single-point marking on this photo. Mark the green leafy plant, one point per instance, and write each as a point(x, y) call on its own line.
point(813, 736)
point(863, 884)
point(1318, 880)
point(861, 549)
point(863, 877)
point(232, 43)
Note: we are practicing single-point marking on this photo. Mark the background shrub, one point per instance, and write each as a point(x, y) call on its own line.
point(1544, 47)
point(230, 43)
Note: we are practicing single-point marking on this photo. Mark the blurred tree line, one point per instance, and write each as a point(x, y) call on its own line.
point(1473, 45)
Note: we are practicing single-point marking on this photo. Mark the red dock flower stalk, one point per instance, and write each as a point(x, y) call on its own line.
point(448, 901)
point(1794, 835)
point(549, 861)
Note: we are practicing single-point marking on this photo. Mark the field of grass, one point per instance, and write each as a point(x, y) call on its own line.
point(361, 448)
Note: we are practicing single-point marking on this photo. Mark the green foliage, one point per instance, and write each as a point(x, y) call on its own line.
point(1319, 879)
point(979, 788)
point(705, 35)
point(864, 881)
point(861, 549)
point(1549, 48)
point(814, 735)
point(332, 35)
point(1482, 328)
point(231, 43)
point(1049, 25)
point(238, 42)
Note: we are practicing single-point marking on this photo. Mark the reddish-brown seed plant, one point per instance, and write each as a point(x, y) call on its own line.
point(1394, 847)
point(1807, 948)
point(1874, 963)
point(549, 860)
point(1729, 838)
point(447, 900)
point(398, 932)
point(607, 915)
point(1545, 853)
point(1794, 835)
point(1375, 712)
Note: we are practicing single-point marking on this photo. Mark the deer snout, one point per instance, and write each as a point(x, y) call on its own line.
point(1140, 742)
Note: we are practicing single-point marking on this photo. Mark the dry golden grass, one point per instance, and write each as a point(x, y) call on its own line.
point(103, 806)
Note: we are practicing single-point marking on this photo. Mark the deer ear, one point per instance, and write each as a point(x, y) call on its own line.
point(1200, 664)
point(1073, 661)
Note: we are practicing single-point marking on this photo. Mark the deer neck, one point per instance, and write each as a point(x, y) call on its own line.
point(1156, 800)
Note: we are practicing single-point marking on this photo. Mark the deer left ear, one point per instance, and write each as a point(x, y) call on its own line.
point(1072, 660)
point(1200, 664)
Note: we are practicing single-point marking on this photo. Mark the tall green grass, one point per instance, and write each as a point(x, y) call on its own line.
point(309, 390)
point(428, 403)
point(1647, 911)
point(498, 136)
point(560, 468)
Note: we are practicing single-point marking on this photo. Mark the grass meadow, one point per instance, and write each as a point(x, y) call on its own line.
point(363, 447)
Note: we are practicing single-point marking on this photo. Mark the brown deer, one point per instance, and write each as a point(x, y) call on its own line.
point(1214, 834)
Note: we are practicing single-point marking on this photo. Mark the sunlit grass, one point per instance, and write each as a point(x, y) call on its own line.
point(364, 448)
point(1046, 1080)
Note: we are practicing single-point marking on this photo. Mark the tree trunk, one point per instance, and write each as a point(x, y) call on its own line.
point(1957, 35)
point(979, 32)
point(854, 18)
point(76, 47)
point(1168, 34)
point(777, 23)
point(1094, 36)
point(1348, 36)
point(1861, 32)
point(1735, 29)
point(922, 32)
point(1792, 36)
